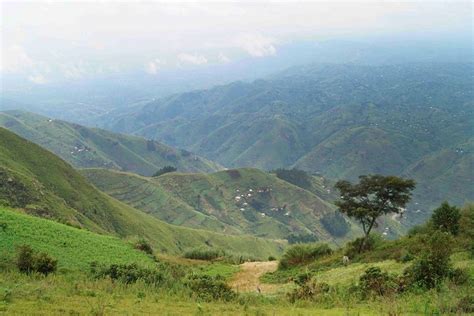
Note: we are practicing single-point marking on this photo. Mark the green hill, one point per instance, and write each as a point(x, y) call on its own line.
point(73, 248)
point(237, 201)
point(339, 120)
point(91, 147)
point(35, 180)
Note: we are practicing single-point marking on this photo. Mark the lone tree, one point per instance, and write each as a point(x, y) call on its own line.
point(373, 196)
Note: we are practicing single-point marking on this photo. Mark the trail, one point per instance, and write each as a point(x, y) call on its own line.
point(247, 279)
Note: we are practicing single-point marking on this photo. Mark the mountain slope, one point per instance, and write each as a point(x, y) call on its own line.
point(238, 201)
point(338, 120)
point(41, 184)
point(90, 147)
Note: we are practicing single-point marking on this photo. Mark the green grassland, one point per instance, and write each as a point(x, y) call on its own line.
point(74, 248)
point(91, 147)
point(248, 201)
point(41, 184)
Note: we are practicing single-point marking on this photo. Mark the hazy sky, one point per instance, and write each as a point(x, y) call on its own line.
point(42, 40)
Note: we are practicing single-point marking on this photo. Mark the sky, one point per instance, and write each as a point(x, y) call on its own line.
point(42, 41)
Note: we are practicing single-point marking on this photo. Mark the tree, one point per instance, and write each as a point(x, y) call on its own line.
point(164, 170)
point(372, 197)
point(446, 218)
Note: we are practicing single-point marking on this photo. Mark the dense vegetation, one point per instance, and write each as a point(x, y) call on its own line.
point(339, 120)
point(85, 147)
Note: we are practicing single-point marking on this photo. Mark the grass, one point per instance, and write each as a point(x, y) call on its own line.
point(74, 248)
point(42, 184)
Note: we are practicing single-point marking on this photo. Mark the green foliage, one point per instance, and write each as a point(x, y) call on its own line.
point(300, 254)
point(294, 176)
point(372, 197)
point(28, 261)
point(335, 224)
point(143, 245)
point(164, 170)
point(433, 264)
point(271, 258)
point(308, 289)
point(301, 238)
point(446, 218)
point(128, 273)
point(375, 282)
point(203, 254)
point(209, 288)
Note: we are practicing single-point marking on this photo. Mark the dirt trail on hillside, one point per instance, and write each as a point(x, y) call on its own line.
point(247, 279)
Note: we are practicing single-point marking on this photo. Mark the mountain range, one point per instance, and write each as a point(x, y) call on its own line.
point(340, 121)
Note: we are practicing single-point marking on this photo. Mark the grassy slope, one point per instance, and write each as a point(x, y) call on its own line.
point(45, 185)
point(91, 147)
point(73, 248)
point(208, 200)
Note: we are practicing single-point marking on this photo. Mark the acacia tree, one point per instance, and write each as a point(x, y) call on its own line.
point(373, 196)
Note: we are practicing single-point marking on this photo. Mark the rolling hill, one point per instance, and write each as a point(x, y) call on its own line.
point(39, 183)
point(237, 201)
point(90, 147)
point(337, 120)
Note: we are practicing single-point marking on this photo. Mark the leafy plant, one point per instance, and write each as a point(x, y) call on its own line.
point(210, 288)
point(28, 261)
point(303, 253)
point(375, 282)
point(446, 218)
point(144, 246)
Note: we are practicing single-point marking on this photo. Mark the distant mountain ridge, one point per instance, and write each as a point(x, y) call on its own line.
point(337, 120)
point(91, 147)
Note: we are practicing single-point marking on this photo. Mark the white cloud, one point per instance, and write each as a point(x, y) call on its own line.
point(153, 66)
point(192, 59)
point(37, 79)
point(223, 58)
point(15, 59)
point(257, 45)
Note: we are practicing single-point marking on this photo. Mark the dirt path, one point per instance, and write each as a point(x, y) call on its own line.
point(247, 279)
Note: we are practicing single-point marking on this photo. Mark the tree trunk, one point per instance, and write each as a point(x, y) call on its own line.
point(362, 244)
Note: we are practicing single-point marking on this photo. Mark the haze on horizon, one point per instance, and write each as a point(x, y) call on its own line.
point(48, 41)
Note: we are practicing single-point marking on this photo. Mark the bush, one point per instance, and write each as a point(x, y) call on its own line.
point(446, 218)
point(374, 282)
point(203, 254)
point(308, 289)
point(28, 261)
point(271, 258)
point(352, 248)
point(210, 288)
point(128, 273)
point(301, 238)
point(144, 246)
point(164, 170)
point(458, 276)
point(303, 253)
point(433, 265)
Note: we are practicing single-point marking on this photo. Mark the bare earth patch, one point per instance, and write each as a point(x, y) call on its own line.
point(248, 278)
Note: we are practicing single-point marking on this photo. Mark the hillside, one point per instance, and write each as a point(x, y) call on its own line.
point(237, 201)
point(337, 120)
point(91, 147)
point(43, 185)
point(73, 248)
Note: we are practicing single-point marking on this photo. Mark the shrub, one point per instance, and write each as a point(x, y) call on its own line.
point(303, 253)
point(166, 169)
point(28, 261)
point(352, 248)
point(128, 273)
point(25, 260)
point(210, 288)
point(203, 254)
point(446, 218)
point(308, 289)
point(433, 265)
point(374, 282)
point(271, 258)
point(458, 276)
point(144, 246)
point(466, 304)
point(45, 264)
